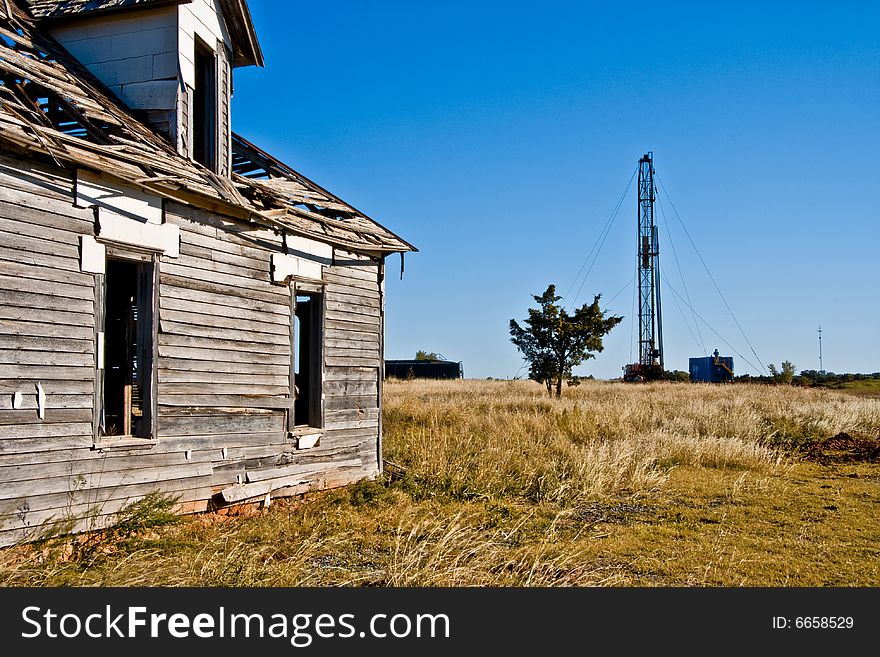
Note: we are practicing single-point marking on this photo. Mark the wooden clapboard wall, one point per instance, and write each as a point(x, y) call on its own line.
point(223, 366)
point(353, 329)
point(48, 468)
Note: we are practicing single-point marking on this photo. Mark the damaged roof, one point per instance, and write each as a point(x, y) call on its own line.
point(59, 8)
point(51, 105)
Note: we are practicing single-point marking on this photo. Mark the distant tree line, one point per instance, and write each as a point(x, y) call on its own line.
point(809, 378)
point(785, 374)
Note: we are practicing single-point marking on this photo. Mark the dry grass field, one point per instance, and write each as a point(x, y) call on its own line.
point(494, 484)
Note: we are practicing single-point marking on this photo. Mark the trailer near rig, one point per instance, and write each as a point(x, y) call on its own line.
point(711, 369)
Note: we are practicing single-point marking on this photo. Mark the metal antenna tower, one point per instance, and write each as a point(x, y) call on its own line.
point(650, 327)
point(821, 367)
point(650, 365)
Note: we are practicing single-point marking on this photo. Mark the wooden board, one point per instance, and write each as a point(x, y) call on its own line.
point(340, 361)
point(52, 358)
point(240, 314)
point(50, 387)
point(66, 337)
point(224, 299)
point(215, 424)
point(56, 345)
point(223, 322)
point(190, 376)
point(241, 492)
point(29, 401)
point(191, 281)
point(350, 401)
point(11, 223)
point(225, 401)
point(34, 259)
point(46, 373)
point(221, 355)
point(189, 328)
point(219, 388)
point(36, 180)
point(91, 481)
point(351, 325)
point(25, 270)
point(58, 441)
point(68, 249)
point(202, 266)
point(346, 389)
point(221, 278)
point(260, 263)
point(350, 374)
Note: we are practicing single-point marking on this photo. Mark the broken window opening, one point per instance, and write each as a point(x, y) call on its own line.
point(128, 349)
point(307, 358)
point(205, 107)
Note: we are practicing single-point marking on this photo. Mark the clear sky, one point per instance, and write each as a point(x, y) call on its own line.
point(498, 137)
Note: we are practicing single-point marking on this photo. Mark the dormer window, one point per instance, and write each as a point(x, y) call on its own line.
point(170, 59)
point(205, 106)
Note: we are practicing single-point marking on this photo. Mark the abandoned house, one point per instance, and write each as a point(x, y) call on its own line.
point(179, 311)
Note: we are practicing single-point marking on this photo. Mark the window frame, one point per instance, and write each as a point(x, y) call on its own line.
point(151, 328)
point(315, 422)
point(205, 124)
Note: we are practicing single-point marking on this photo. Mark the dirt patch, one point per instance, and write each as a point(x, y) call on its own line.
point(614, 514)
point(843, 448)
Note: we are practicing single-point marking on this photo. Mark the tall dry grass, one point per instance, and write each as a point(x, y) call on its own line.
point(472, 439)
point(458, 551)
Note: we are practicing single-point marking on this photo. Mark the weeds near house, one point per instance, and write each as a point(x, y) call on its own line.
point(55, 558)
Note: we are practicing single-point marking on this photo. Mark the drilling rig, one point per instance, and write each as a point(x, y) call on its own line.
point(650, 365)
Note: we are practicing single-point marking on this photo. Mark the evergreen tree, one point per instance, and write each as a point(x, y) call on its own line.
point(554, 342)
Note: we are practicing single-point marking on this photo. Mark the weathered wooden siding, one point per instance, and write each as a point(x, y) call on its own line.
point(224, 352)
point(224, 327)
point(224, 347)
point(46, 313)
point(135, 55)
point(352, 355)
point(48, 469)
point(223, 366)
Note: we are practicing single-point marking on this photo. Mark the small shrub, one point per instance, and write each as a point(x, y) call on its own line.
point(153, 510)
point(371, 493)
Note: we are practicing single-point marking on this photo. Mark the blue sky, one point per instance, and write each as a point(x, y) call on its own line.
point(498, 137)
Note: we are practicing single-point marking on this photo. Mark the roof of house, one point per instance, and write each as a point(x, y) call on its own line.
point(58, 8)
point(51, 105)
point(246, 48)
